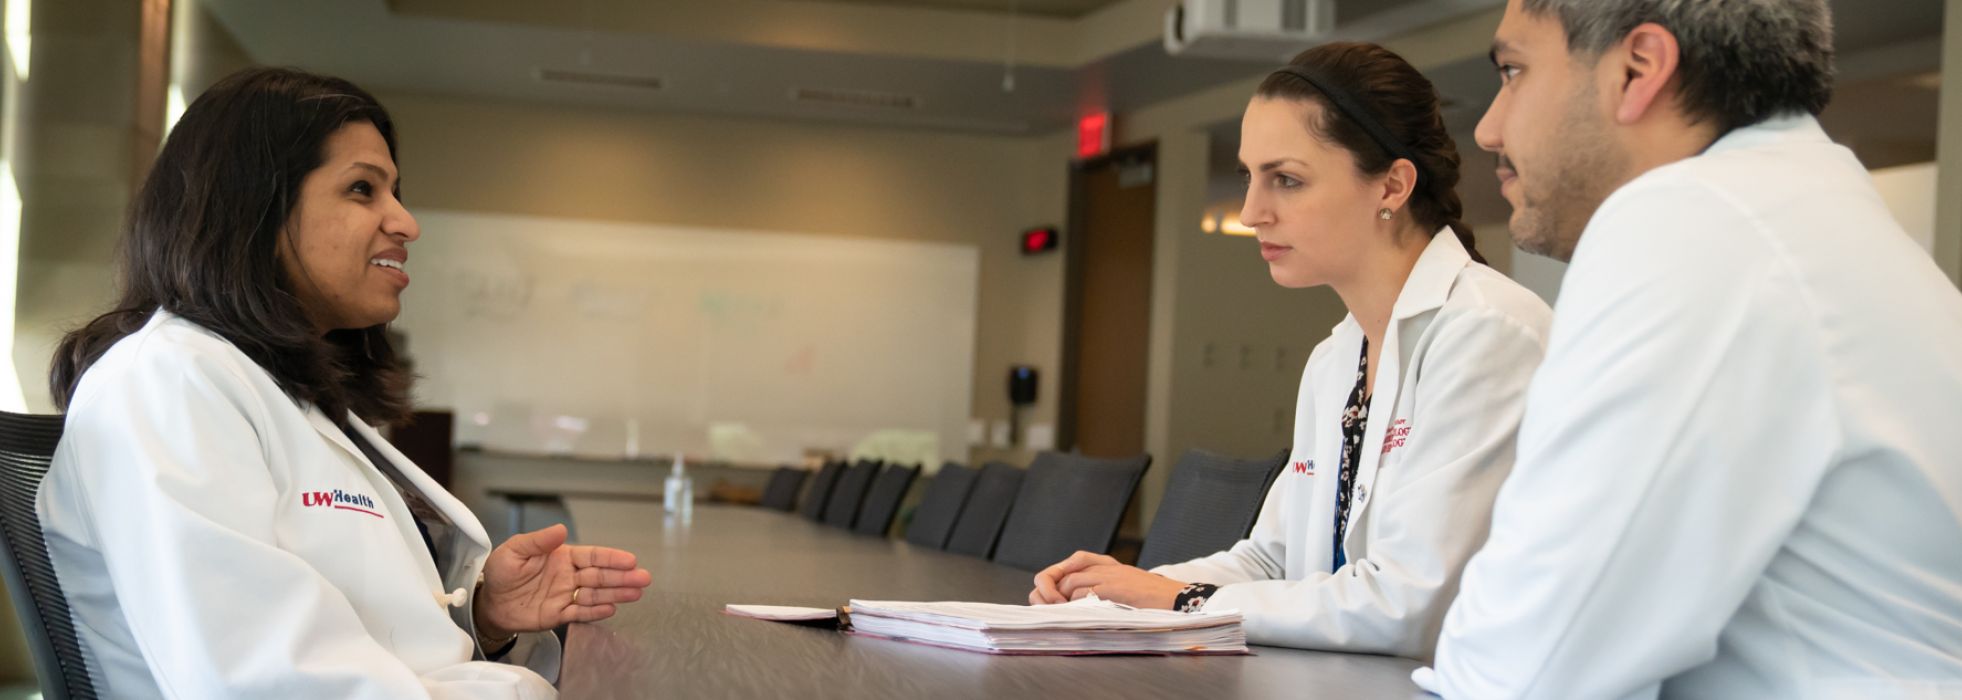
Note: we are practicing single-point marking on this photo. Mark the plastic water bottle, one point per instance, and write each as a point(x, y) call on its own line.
point(678, 493)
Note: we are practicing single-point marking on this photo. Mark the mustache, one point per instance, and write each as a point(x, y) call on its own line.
point(1506, 163)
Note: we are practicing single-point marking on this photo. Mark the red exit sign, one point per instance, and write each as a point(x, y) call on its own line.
point(1093, 135)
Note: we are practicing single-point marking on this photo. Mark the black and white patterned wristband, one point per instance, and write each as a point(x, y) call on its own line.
point(1193, 597)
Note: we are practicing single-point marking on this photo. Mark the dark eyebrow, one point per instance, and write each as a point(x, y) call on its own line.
point(376, 169)
point(1270, 165)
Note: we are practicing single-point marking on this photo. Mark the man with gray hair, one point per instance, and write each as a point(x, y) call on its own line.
point(1740, 470)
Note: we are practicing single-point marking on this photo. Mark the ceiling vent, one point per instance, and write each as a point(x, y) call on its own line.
point(639, 82)
point(1246, 28)
point(1273, 30)
point(854, 98)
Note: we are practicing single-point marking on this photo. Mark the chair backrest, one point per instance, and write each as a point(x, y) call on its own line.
point(987, 508)
point(945, 494)
point(1210, 503)
point(849, 494)
point(781, 494)
point(819, 494)
point(27, 445)
point(882, 502)
point(1068, 503)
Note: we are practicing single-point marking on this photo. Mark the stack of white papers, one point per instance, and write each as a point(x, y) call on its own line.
point(1086, 626)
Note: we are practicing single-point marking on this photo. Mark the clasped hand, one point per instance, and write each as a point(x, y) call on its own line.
point(1084, 573)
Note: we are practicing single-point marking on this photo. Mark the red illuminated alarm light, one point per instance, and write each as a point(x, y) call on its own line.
point(1093, 135)
point(1038, 240)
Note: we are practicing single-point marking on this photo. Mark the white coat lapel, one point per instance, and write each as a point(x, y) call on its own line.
point(333, 433)
point(1382, 409)
point(384, 490)
point(1425, 291)
point(459, 515)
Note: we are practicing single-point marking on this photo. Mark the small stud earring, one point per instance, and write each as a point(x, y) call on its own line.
point(1383, 214)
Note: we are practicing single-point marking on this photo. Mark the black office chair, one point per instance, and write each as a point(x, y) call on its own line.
point(849, 494)
point(27, 444)
point(987, 508)
point(819, 494)
point(940, 506)
point(882, 502)
point(781, 494)
point(1068, 503)
point(1210, 503)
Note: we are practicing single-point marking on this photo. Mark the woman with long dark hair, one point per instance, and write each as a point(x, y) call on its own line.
point(224, 517)
point(1408, 410)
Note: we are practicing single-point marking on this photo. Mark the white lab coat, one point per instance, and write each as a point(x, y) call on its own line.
point(1459, 352)
point(1740, 474)
point(181, 516)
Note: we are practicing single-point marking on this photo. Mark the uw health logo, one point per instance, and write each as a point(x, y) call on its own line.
point(340, 500)
point(1305, 468)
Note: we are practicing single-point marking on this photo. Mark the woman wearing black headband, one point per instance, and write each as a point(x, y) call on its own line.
point(1397, 455)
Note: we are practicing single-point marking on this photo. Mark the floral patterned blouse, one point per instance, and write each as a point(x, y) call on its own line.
point(1355, 419)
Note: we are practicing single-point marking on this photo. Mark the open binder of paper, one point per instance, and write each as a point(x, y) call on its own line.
point(1086, 626)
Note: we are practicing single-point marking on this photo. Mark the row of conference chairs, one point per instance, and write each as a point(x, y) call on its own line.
point(1031, 518)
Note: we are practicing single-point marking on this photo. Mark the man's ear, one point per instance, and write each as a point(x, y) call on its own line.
point(1647, 58)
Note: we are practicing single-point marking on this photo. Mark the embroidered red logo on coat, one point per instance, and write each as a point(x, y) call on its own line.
point(340, 500)
point(1394, 437)
point(1305, 468)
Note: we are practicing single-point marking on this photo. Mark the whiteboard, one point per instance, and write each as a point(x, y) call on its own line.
point(627, 340)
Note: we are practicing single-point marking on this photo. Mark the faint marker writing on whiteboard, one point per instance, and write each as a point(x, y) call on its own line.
point(488, 294)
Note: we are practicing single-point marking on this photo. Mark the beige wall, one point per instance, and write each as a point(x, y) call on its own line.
point(500, 157)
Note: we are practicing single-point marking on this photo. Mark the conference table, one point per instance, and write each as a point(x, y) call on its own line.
point(677, 642)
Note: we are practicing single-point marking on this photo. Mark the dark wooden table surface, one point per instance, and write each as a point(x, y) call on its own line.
point(677, 643)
